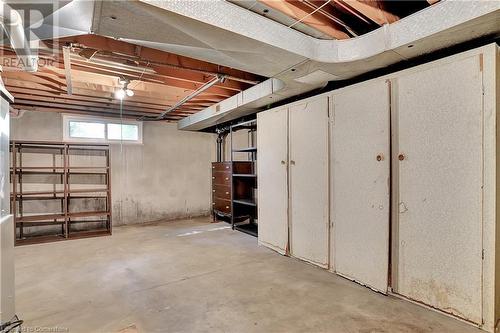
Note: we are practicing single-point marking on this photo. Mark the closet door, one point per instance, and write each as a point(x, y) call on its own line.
point(272, 184)
point(308, 177)
point(360, 163)
point(438, 156)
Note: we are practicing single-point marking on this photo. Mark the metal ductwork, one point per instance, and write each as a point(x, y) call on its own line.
point(67, 19)
point(224, 33)
point(241, 104)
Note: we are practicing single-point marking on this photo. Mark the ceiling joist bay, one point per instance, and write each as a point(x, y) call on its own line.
point(95, 64)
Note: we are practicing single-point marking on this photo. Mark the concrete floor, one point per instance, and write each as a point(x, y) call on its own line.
point(190, 276)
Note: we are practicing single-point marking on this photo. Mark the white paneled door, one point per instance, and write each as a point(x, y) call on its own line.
point(272, 145)
point(308, 177)
point(438, 159)
point(360, 166)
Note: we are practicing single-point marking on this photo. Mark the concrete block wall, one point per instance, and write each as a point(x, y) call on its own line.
point(166, 177)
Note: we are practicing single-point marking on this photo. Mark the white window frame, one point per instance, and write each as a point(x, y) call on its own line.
point(100, 120)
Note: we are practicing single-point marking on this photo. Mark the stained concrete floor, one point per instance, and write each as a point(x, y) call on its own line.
point(191, 276)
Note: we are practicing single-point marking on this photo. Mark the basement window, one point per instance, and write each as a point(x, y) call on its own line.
point(86, 130)
point(128, 132)
point(101, 130)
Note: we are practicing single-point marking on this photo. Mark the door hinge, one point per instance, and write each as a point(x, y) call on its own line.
point(482, 254)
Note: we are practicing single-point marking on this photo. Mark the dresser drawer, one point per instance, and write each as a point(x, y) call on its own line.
point(222, 205)
point(221, 166)
point(221, 178)
point(220, 191)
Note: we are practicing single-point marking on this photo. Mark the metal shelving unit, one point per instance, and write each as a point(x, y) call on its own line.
point(59, 190)
point(244, 182)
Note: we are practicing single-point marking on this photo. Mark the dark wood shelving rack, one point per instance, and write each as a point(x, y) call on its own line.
point(244, 182)
point(59, 190)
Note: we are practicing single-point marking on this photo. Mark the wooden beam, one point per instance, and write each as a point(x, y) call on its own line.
point(115, 63)
point(22, 103)
point(51, 79)
point(27, 87)
point(88, 67)
point(198, 78)
point(375, 10)
point(88, 86)
point(105, 101)
point(91, 113)
point(40, 80)
point(146, 54)
point(52, 82)
point(112, 106)
point(299, 11)
point(338, 4)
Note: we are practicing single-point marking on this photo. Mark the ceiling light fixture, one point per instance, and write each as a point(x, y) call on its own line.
point(124, 90)
point(120, 93)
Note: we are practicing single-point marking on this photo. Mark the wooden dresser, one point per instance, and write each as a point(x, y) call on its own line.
point(228, 177)
point(221, 189)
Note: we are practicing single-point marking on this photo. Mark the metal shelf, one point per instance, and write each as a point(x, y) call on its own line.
point(250, 124)
point(55, 238)
point(245, 150)
point(41, 217)
point(244, 205)
point(249, 228)
point(245, 202)
point(244, 175)
point(59, 173)
point(40, 239)
point(65, 189)
point(45, 217)
point(88, 233)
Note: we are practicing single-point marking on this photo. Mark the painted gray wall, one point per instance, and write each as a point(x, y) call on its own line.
point(167, 177)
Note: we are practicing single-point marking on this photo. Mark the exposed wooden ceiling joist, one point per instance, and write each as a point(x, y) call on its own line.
point(25, 98)
point(17, 86)
point(157, 57)
point(338, 19)
point(62, 102)
point(375, 10)
point(25, 93)
point(172, 117)
point(303, 13)
point(159, 80)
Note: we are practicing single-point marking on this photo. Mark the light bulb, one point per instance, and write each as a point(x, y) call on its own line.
point(120, 94)
point(129, 92)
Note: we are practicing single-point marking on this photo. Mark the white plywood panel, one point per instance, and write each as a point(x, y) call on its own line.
point(439, 229)
point(272, 184)
point(7, 277)
point(492, 192)
point(308, 177)
point(360, 163)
